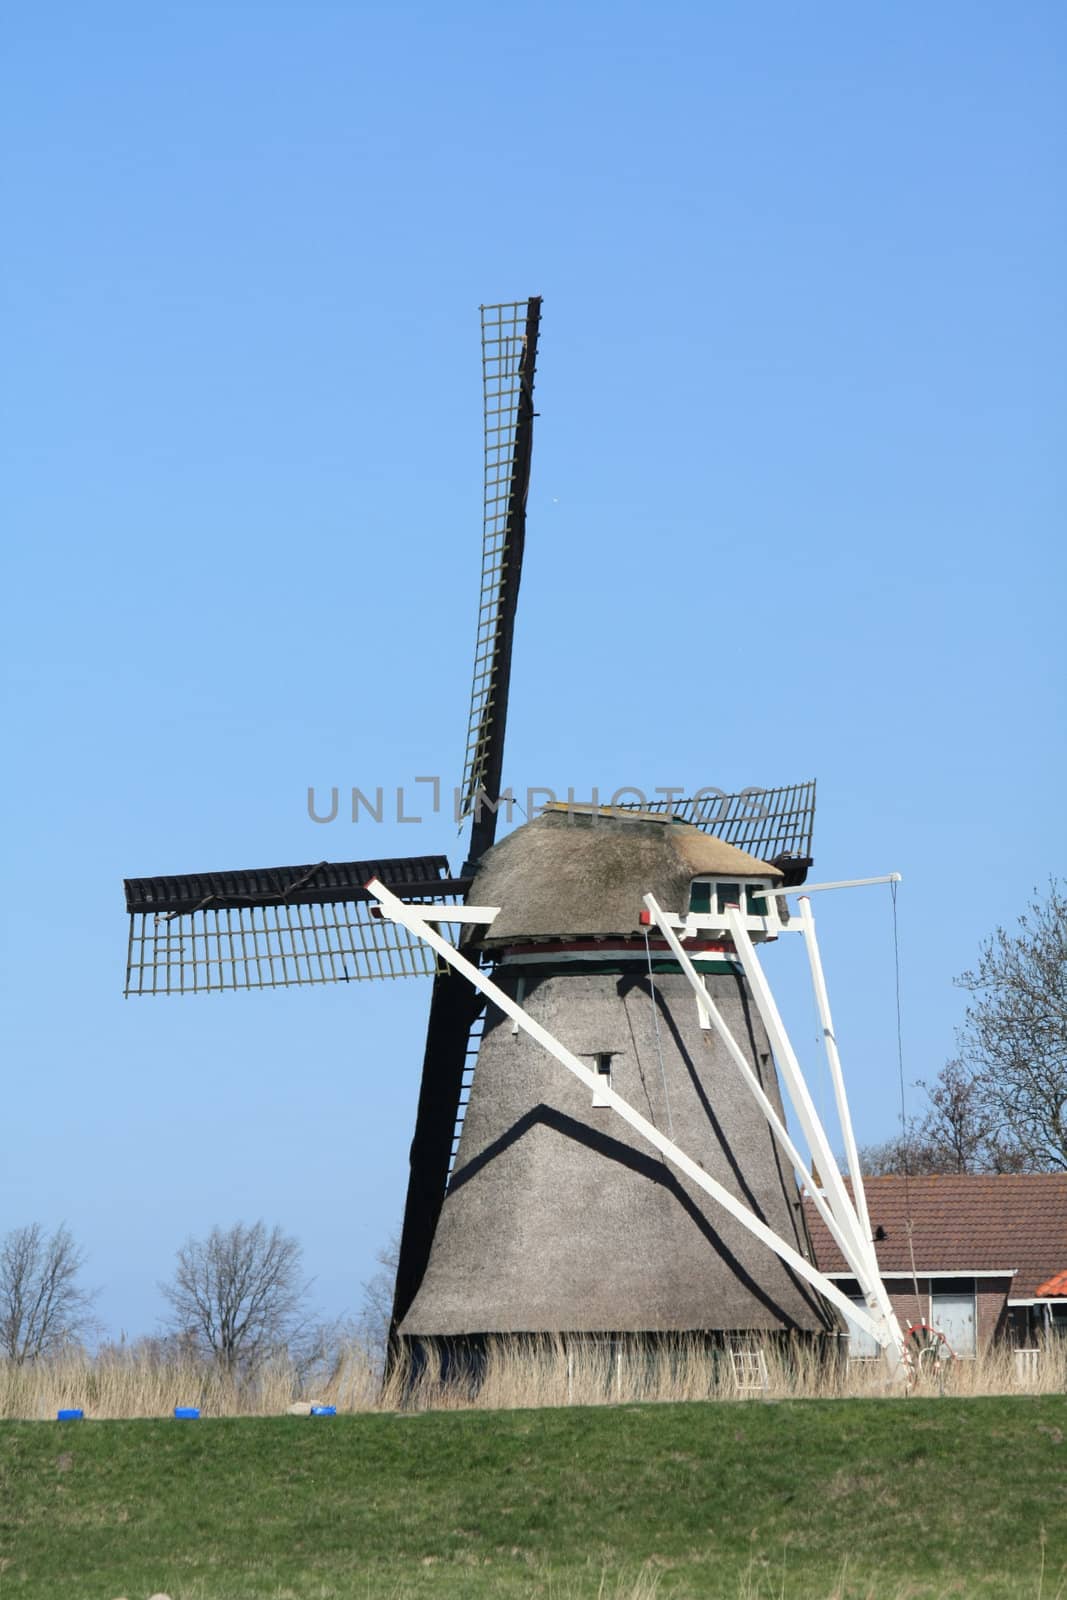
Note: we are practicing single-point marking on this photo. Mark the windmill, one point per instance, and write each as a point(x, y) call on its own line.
point(649, 1188)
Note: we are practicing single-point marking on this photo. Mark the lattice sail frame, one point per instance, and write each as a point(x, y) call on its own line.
point(279, 927)
point(768, 823)
point(508, 356)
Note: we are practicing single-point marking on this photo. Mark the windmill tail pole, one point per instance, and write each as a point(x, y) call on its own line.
point(841, 1219)
point(891, 1336)
point(414, 918)
point(822, 1001)
point(848, 1247)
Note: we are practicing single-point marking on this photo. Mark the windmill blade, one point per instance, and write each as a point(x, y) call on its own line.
point(277, 927)
point(450, 1047)
point(509, 355)
point(774, 824)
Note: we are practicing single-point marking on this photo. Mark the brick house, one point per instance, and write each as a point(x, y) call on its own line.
point(989, 1253)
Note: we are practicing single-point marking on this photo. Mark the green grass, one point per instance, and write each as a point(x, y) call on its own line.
point(890, 1499)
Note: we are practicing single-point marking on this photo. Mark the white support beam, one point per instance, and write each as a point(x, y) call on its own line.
point(695, 923)
point(842, 883)
point(826, 1021)
point(857, 1265)
point(480, 915)
point(845, 1212)
point(797, 1089)
point(412, 919)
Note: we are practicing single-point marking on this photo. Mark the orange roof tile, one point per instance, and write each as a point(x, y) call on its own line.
point(960, 1222)
point(1054, 1286)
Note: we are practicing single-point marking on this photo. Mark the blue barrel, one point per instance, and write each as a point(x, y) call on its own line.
point(324, 1411)
point(71, 1414)
point(187, 1413)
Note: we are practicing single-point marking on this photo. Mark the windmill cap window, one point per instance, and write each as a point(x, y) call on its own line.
point(711, 896)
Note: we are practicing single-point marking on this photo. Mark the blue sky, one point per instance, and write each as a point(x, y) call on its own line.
point(797, 510)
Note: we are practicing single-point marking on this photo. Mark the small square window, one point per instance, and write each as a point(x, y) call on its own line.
point(602, 1068)
point(729, 895)
point(756, 903)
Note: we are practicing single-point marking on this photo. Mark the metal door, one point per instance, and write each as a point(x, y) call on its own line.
point(953, 1312)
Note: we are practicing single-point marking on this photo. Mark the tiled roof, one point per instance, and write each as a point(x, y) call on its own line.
point(1054, 1286)
point(964, 1222)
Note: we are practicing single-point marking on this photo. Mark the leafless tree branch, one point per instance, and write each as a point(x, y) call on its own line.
point(1002, 1106)
point(42, 1306)
point(1014, 1037)
point(239, 1293)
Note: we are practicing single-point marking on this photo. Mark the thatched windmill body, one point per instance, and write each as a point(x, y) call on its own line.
point(612, 1157)
point(558, 1218)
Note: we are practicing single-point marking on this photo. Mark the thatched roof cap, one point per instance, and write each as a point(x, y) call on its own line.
point(573, 874)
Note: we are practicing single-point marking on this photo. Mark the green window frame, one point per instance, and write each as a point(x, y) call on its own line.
point(700, 899)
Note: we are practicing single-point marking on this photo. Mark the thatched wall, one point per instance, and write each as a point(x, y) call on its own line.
point(560, 1219)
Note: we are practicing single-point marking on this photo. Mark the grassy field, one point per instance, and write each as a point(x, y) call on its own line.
point(894, 1500)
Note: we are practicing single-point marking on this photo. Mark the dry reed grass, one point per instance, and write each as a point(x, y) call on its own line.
point(127, 1383)
point(547, 1373)
point(135, 1382)
point(139, 1382)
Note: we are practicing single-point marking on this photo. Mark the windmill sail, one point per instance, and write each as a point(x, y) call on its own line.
point(276, 927)
point(774, 824)
point(509, 354)
point(454, 1009)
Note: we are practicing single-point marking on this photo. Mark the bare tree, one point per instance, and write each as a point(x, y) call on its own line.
point(902, 1153)
point(954, 1131)
point(1002, 1107)
point(376, 1311)
point(238, 1292)
point(961, 1133)
point(1014, 1039)
point(42, 1306)
point(957, 1134)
